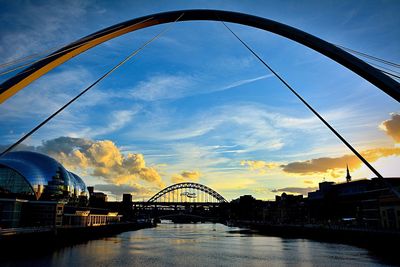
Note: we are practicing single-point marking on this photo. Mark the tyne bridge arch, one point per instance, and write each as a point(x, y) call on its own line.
point(187, 192)
point(187, 197)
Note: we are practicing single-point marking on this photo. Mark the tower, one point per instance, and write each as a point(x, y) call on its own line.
point(348, 176)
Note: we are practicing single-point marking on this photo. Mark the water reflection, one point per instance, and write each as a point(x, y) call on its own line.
point(201, 245)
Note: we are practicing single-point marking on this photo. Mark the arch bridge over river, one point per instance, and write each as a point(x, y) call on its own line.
point(183, 194)
point(183, 201)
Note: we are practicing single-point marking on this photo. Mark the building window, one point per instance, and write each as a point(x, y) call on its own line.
point(12, 182)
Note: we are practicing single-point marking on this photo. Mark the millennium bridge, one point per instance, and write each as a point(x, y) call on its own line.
point(382, 79)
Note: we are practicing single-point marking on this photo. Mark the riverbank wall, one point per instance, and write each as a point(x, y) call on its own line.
point(14, 242)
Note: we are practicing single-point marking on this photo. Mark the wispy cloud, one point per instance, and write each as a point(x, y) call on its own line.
point(243, 82)
point(245, 126)
point(186, 176)
point(296, 190)
point(117, 120)
point(166, 86)
point(259, 165)
point(32, 31)
point(47, 94)
point(161, 87)
point(80, 119)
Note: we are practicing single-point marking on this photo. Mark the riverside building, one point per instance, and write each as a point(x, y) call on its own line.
point(38, 191)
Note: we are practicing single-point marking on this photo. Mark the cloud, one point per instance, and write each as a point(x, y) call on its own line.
point(335, 166)
point(102, 159)
point(259, 165)
point(138, 192)
point(186, 176)
point(167, 86)
point(47, 94)
point(331, 166)
point(249, 127)
point(160, 87)
point(31, 31)
point(295, 190)
point(118, 120)
point(392, 127)
point(64, 145)
point(244, 81)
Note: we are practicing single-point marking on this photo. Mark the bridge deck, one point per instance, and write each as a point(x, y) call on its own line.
point(146, 203)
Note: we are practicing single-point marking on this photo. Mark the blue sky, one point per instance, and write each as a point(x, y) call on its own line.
point(195, 105)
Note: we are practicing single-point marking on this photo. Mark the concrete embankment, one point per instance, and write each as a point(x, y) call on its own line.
point(33, 240)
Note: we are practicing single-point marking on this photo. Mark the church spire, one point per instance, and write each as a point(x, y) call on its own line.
point(348, 176)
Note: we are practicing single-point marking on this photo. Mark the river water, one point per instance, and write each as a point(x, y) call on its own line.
point(200, 245)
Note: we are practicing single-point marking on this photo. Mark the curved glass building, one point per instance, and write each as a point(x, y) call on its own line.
point(32, 175)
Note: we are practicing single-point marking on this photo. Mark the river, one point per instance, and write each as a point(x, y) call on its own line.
point(200, 245)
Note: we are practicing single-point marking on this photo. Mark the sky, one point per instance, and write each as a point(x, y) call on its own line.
point(195, 105)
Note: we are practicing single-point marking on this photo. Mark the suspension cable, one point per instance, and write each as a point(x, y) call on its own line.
point(390, 74)
point(389, 185)
point(307, 105)
point(27, 57)
point(387, 71)
point(89, 87)
point(387, 62)
point(57, 52)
